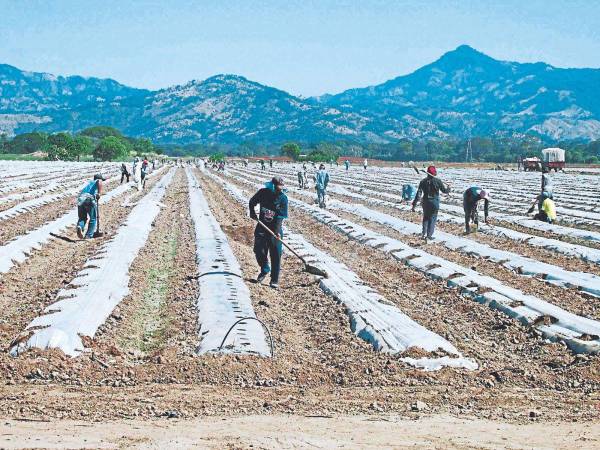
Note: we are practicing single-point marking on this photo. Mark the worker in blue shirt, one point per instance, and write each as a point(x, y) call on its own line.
point(273, 205)
point(408, 192)
point(321, 182)
point(87, 206)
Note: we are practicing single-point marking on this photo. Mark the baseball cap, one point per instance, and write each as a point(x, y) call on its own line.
point(99, 176)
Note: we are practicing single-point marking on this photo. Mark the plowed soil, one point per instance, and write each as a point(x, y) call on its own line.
point(142, 364)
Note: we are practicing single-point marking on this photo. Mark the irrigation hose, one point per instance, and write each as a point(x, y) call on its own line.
point(259, 321)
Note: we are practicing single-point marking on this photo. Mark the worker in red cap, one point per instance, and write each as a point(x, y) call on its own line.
point(471, 199)
point(430, 188)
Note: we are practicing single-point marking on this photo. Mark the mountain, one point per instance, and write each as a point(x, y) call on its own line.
point(466, 92)
point(463, 93)
point(231, 109)
point(30, 100)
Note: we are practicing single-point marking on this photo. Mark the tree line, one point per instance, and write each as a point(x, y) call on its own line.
point(100, 143)
point(107, 143)
point(482, 149)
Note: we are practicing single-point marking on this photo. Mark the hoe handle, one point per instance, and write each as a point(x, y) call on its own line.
point(281, 240)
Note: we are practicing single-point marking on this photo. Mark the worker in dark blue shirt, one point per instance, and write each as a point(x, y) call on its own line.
point(273, 205)
point(430, 188)
point(471, 198)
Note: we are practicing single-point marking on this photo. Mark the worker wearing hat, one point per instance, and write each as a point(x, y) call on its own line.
point(87, 206)
point(471, 199)
point(273, 205)
point(430, 188)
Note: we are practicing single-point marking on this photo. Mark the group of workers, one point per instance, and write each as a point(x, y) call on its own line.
point(429, 190)
point(89, 196)
point(273, 209)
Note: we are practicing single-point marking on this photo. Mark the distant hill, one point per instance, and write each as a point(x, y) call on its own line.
point(464, 93)
point(467, 92)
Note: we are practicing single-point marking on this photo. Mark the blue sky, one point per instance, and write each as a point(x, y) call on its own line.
point(304, 47)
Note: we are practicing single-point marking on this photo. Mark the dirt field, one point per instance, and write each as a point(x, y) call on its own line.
point(141, 383)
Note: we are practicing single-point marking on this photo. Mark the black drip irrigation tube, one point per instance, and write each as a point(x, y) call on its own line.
point(259, 321)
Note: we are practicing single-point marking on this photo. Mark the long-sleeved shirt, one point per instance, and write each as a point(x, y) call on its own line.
point(321, 180)
point(273, 207)
point(430, 188)
point(547, 183)
point(471, 197)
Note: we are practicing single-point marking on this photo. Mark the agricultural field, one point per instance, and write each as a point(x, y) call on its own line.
point(485, 336)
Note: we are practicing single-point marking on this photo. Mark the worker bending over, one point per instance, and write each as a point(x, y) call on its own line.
point(547, 209)
point(471, 199)
point(430, 188)
point(408, 192)
point(87, 206)
point(273, 204)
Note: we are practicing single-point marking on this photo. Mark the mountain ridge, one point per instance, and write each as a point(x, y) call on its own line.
point(464, 92)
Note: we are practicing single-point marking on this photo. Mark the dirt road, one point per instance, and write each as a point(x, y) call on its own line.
point(363, 432)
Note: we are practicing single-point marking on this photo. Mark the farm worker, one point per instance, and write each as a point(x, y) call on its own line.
point(143, 173)
point(124, 173)
point(305, 169)
point(321, 182)
point(365, 164)
point(430, 188)
point(137, 173)
point(300, 179)
point(408, 192)
point(471, 199)
point(262, 164)
point(347, 164)
point(546, 182)
point(271, 163)
point(547, 212)
point(273, 210)
point(87, 206)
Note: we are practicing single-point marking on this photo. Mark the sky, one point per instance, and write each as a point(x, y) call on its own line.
point(303, 47)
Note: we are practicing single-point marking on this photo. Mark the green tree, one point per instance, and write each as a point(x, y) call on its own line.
point(80, 145)
point(111, 148)
point(143, 146)
point(3, 142)
point(27, 143)
point(60, 146)
point(100, 132)
point(291, 149)
point(217, 157)
point(57, 153)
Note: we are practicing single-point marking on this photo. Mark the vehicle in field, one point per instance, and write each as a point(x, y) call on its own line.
point(553, 158)
point(533, 164)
